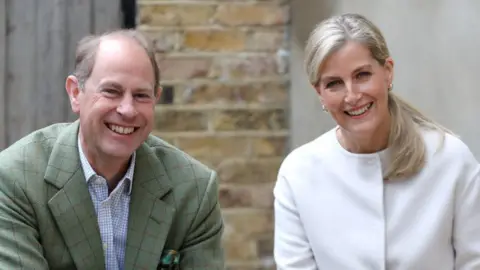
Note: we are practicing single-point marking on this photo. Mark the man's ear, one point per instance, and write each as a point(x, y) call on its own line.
point(158, 93)
point(73, 90)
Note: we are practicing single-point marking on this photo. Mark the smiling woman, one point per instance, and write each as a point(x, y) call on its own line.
point(387, 188)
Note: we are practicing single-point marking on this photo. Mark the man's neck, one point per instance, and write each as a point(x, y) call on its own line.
point(111, 168)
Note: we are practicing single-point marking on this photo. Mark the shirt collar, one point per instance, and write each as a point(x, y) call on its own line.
point(89, 172)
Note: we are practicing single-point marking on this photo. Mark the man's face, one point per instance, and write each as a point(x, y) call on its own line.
point(116, 106)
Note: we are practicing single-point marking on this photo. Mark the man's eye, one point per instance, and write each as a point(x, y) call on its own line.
point(143, 97)
point(110, 91)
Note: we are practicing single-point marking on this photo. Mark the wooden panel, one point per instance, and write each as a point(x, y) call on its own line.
point(107, 15)
point(3, 49)
point(79, 24)
point(37, 52)
point(21, 67)
point(51, 98)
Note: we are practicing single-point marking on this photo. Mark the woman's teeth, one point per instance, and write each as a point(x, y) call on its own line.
point(360, 111)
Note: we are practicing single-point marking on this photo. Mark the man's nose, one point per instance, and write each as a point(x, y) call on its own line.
point(127, 107)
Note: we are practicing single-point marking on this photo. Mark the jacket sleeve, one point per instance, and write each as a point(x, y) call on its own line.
point(466, 226)
point(19, 235)
point(202, 248)
point(291, 247)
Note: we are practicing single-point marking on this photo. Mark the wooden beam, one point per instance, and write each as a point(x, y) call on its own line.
point(3, 74)
point(21, 83)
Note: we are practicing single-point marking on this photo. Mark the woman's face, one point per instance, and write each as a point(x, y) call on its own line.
point(353, 87)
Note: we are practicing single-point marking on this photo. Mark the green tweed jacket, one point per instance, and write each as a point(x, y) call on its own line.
point(48, 221)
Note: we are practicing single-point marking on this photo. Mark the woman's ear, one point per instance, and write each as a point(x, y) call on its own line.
point(317, 89)
point(389, 64)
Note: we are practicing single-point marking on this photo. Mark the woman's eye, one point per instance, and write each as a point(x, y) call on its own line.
point(332, 84)
point(363, 74)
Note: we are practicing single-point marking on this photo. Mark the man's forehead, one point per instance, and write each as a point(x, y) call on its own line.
point(115, 45)
point(111, 45)
point(120, 49)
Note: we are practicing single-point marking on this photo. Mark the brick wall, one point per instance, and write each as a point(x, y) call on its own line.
point(227, 62)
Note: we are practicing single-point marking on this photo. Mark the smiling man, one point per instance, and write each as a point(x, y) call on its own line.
point(102, 193)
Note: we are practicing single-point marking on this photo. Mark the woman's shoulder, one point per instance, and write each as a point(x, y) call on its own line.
point(448, 147)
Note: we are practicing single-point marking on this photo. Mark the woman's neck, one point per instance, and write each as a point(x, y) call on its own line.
point(372, 142)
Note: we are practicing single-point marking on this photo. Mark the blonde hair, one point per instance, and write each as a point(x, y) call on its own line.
point(405, 142)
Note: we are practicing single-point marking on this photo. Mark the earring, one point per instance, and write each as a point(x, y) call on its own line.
point(324, 108)
point(390, 87)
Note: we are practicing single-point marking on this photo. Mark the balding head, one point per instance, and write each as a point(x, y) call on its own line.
point(88, 48)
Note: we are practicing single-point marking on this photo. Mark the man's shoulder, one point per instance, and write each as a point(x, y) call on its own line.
point(26, 159)
point(178, 161)
point(34, 145)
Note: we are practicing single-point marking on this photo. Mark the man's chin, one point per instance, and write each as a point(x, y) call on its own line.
point(119, 151)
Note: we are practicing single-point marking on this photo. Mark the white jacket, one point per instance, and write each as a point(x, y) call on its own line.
point(333, 211)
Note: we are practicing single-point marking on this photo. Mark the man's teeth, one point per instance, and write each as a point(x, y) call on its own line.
point(361, 110)
point(121, 130)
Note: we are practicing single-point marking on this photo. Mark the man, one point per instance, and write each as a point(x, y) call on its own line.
point(101, 193)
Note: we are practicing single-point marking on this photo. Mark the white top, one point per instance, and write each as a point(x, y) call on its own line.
point(333, 210)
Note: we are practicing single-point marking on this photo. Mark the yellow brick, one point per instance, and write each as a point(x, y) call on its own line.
point(251, 171)
point(238, 249)
point(240, 119)
point(246, 93)
point(255, 196)
point(183, 68)
point(249, 223)
point(211, 147)
point(252, 14)
point(164, 40)
point(273, 146)
point(241, 67)
point(171, 120)
point(175, 14)
point(215, 40)
point(267, 40)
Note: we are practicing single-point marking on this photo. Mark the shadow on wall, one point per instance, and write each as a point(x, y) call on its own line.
point(307, 118)
point(306, 14)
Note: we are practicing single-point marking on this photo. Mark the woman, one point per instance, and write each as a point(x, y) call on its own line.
point(387, 188)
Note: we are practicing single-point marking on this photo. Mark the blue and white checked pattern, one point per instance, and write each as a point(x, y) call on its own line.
point(112, 211)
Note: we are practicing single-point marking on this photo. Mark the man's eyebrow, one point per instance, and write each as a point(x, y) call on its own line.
point(111, 84)
point(144, 90)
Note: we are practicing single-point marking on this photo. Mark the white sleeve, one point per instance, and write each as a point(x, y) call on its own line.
point(291, 247)
point(466, 232)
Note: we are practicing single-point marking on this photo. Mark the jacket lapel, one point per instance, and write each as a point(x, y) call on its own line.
point(72, 207)
point(149, 217)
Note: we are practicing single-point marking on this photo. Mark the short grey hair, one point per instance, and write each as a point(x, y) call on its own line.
point(88, 46)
